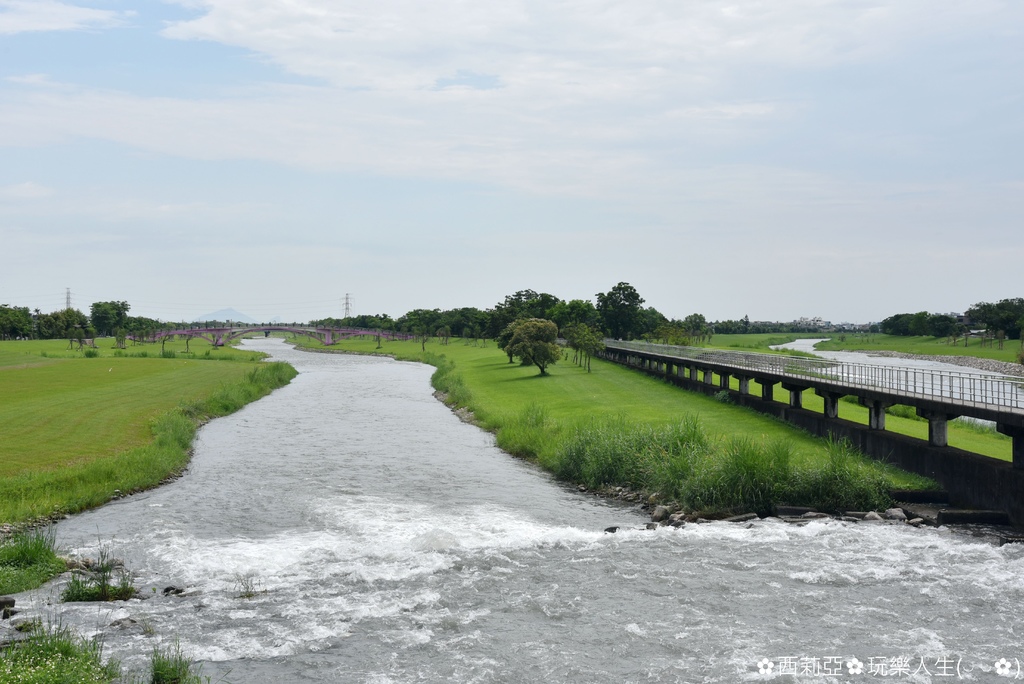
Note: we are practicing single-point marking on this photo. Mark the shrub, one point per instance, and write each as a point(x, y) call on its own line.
point(91, 353)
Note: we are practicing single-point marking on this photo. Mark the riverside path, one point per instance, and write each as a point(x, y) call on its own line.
point(938, 396)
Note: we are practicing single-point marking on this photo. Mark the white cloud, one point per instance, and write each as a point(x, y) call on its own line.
point(22, 16)
point(585, 46)
point(24, 191)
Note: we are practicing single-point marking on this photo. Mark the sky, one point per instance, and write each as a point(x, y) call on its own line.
point(847, 159)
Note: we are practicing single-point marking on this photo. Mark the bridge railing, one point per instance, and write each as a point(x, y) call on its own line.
point(956, 387)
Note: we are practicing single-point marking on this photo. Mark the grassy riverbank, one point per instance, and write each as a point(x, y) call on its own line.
point(616, 426)
point(80, 430)
point(926, 346)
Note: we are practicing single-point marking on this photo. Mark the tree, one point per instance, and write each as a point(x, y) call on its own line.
point(534, 342)
point(15, 322)
point(620, 311)
point(504, 337)
point(584, 340)
point(1006, 314)
point(108, 316)
point(522, 304)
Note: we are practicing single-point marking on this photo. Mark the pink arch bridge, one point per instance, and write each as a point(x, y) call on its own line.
point(219, 336)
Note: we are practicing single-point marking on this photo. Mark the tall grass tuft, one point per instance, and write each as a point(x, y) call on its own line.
point(742, 474)
point(27, 560)
point(171, 666)
point(614, 452)
point(846, 481)
point(525, 433)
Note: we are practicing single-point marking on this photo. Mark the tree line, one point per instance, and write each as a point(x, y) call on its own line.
point(104, 319)
point(1002, 319)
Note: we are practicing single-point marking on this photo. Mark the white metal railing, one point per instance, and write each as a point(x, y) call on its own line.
point(954, 387)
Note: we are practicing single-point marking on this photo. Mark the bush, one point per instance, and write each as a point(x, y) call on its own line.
point(91, 353)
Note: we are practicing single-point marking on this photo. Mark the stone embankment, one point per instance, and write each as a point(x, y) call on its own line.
point(988, 365)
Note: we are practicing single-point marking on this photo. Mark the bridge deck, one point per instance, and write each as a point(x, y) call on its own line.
point(983, 395)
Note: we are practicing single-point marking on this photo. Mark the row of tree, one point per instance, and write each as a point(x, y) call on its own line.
point(1002, 318)
point(618, 313)
point(105, 319)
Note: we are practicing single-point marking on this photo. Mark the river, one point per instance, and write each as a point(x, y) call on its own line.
point(386, 541)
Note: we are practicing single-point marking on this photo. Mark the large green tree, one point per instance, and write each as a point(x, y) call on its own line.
point(106, 317)
point(620, 311)
point(534, 342)
point(15, 322)
point(1006, 315)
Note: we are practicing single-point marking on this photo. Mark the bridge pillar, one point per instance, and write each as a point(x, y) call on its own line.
point(876, 412)
point(767, 390)
point(831, 402)
point(796, 394)
point(328, 338)
point(723, 381)
point(938, 426)
point(709, 376)
point(1017, 433)
point(744, 385)
point(693, 373)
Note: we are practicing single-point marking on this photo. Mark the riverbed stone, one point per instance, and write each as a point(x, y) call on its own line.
point(745, 517)
point(895, 514)
point(815, 514)
point(791, 511)
point(652, 526)
point(916, 522)
point(660, 513)
point(7, 607)
point(871, 516)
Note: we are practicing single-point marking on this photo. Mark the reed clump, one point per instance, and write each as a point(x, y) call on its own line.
point(682, 462)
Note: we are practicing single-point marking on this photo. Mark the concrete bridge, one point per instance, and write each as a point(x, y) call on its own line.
point(218, 336)
point(937, 396)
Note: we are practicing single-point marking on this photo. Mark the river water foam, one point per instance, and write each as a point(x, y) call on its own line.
point(386, 541)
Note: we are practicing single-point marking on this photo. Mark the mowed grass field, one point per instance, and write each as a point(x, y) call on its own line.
point(571, 397)
point(66, 419)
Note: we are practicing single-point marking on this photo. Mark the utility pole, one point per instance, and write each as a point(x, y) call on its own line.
point(348, 305)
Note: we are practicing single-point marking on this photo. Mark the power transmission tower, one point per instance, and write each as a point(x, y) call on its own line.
point(67, 299)
point(348, 305)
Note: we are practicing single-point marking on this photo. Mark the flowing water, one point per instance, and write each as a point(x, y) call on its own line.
point(384, 540)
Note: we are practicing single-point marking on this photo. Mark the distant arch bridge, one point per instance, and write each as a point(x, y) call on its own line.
point(218, 336)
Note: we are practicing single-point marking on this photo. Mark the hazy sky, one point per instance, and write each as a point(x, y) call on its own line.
point(777, 158)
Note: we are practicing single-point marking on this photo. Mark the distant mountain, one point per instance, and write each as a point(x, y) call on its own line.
point(225, 315)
